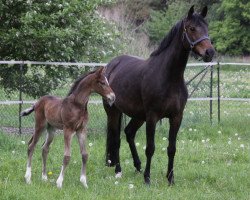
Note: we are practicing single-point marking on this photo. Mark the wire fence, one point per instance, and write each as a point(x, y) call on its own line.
point(217, 92)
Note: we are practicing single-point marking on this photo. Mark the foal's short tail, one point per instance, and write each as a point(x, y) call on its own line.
point(27, 111)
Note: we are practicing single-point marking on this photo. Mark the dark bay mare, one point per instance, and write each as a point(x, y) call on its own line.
point(69, 114)
point(152, 89)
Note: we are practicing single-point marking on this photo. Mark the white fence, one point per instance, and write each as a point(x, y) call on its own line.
point(93, 65)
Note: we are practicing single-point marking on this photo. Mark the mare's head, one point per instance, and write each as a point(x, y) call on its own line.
point(101, 86)
point(195, 34)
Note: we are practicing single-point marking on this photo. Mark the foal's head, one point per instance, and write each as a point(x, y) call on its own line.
point(195, 34)
point(101, 86)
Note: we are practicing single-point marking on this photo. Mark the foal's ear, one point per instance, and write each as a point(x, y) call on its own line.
point(204, 12)
point(190, 12)
point(99, 71)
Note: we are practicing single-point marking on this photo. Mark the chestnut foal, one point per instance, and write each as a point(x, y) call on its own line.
point(69, 114)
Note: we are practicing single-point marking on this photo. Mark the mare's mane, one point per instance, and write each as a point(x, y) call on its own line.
point(168, 39)
point(196, 18)
point(78, 80)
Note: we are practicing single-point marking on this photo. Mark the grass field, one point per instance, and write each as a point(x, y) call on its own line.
point(212, 162)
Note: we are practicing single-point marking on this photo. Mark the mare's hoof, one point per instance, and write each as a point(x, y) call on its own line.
point(138, 171)
point(171, 181)
point(147, 181)
point(118, 175)
point(109, 163)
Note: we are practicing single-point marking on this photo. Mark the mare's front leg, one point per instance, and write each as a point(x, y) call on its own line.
point(114, 117)
point(68, 134)
point(130, 132)
point(150, 148)
point(175, 123)
point(82, 135)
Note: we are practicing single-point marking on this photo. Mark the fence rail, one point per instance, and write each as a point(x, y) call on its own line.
point(202, 73)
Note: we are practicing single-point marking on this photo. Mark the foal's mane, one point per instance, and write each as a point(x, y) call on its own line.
point(168, 39)
point(78, 80)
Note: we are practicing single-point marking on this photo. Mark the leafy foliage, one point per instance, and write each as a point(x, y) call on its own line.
point(230, 32)
point(162, 21)
point(56, 30)
point(229, 22)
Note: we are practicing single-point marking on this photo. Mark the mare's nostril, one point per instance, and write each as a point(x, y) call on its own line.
point(209, 53)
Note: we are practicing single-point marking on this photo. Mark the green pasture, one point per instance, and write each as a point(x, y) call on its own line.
point(212, 162)
point(212, 159)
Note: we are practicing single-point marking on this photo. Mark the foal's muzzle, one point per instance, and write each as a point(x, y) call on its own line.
point(110, 98)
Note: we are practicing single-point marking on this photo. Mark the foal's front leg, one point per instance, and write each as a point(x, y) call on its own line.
point(82, 135)
point(68, 134)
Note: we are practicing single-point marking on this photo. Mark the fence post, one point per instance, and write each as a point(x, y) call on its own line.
point(20, 97)
point(218, 90)
point(211, 94)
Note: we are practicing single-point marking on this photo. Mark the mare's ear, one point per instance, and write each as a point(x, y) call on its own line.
point(204, 12)
point(190, 12)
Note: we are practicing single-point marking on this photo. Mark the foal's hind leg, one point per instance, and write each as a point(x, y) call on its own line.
point(130, 131)
point(45, 149)
point(39, 127)
point(68, 134)
point(82, 135)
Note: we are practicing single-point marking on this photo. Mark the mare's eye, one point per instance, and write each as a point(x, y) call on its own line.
point(192, 28)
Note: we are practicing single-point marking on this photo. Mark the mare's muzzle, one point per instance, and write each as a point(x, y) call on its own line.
point(209, 54)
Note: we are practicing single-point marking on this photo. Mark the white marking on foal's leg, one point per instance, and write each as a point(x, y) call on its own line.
point(60, 179)
point(118, 175)
point(83, 180)
point(44, 177)
point(28, 175)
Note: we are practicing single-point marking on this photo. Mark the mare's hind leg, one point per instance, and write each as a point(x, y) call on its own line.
point(68, 134)
point(130, 131)
point(175, 123)
point(82, 135)
point(114, 117)
point(45, 150)
point(39, 127)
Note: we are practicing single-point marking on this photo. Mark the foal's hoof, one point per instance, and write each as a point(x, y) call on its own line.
point(28, 181)
point(59, 183)
point(84, 181)
point(44, 178)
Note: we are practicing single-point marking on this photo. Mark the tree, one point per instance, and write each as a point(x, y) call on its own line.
point(162, 21)
point(57, 30)
point(230, 31)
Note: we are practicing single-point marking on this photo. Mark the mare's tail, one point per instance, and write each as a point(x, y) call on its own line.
point(27, 111)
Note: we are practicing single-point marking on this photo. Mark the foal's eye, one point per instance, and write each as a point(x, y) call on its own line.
point(192, 28)
point(101, 83)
